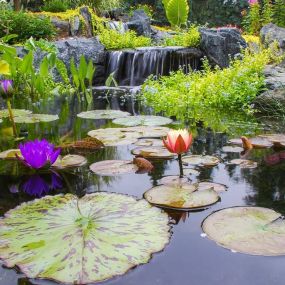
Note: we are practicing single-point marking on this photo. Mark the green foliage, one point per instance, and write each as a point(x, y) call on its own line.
point(267, 12)
point(189, 96)
point(189, 38)
point(252, 22)
point(24, 25)
point(176, 11)
point(98, 5)
point(112, 39)
point(146, 8)
point(279, 13)
point(55, 6)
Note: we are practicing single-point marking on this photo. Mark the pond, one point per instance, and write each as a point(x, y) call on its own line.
point(189, 255)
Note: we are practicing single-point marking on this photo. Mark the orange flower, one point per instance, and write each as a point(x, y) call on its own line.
point(178, 141)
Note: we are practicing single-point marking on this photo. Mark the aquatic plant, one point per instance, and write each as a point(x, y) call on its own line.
point(6, 91)
point(82, 240)
point(178, 142)
point(38, 154)
point(176, 11)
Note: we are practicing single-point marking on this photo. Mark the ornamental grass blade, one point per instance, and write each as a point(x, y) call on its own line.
point(79, 241)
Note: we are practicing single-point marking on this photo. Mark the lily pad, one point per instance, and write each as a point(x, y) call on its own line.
point(173, 180)
point(148, 132)
point(190, 171)
point(113, 167)
point(257, 142)
point(153, 152)
point(69, 161)
point(103, 114)
point(142, 121)
point(1, 121)
point(35, 118)
point(211, 185)
point(182, 197)
point(278, 140)
point(204, 160)
point(244, 163)
point(250, 230)
point(79, 241)
point(229, 148)
point(149, 142)
point(10, 154)
point(16, 113)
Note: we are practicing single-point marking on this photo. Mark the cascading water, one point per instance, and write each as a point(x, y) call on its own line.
point(132, 67)
point(118, 26)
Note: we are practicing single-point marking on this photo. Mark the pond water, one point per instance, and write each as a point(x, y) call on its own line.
point(189, 258)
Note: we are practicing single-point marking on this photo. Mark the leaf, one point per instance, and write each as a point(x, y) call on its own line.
point(70, 161)
point(153, 152)
point(204, 160)
point(103, 114)
point(90, 71)
point(27, 63)
point(16, 113)
point(142, 121)
point(165, 3)
point(177, 12)
point(74, 73)
point(10, 154)
point(4, 67)
point(250, 230)
point(113, 167)
point(35, 118)
point(79, 241)
point(44, 68)
point(82, 69)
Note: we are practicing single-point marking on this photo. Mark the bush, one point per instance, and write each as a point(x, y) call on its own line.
point(55, 6)
point(24, 25)
point(190, 38)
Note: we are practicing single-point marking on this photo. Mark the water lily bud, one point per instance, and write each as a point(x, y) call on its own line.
point(6, 88)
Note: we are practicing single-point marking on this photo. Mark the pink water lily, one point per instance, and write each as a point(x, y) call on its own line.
point(38, 154)
point(252, 2)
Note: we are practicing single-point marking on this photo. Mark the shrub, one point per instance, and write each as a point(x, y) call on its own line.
point(24, 25)
point(146, 8)
point(190, 38)
point(55, 6)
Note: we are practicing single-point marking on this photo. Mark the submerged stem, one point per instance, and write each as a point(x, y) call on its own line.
point(180, 165)
point(12, 117)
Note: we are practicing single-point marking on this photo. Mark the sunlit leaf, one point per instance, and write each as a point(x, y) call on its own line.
point(10, 154)
point(80, 241)
point(142, 121)
point(103, 114)
point(153, 152)
point(35, 118)
point(69, 161)
point(16, 113)
point(211, 185)
point(204, 160)
point(251, 230)
point(244, 163)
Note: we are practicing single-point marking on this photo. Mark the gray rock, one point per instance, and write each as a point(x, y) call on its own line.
point(84, 12)
point(75, 27)
point(274, 77)
point(62, 27)
point(140, 23)
point(158, 36)
point(271, 33)
point(219, 45)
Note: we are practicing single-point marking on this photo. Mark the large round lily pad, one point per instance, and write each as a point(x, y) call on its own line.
point(148, 131)
point(70, 161)
point(80, 241)
point(113, 167)
point(16, 113)
point(153, 152)
point(244, 163)
point(205, 185)
point(181, 197)
point(251, 230)
point(142, 121)
point(103, 114)
point(10, 154)
point(204, 160)
point(229, 148)
point(149, 142)
point(35, 118)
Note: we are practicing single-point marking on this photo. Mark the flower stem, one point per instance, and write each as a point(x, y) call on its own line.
point(180, 165)
point(11, 117)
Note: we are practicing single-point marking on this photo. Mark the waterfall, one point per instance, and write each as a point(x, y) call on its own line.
point(132, 67)
point(118, 26)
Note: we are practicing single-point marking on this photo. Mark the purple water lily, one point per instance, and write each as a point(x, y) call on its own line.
point(6, 88)
point(40, 185)
point(38, 154)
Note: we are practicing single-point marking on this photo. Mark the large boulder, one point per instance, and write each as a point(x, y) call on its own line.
point(140, 23)
point(220, 45)
point(271, 33)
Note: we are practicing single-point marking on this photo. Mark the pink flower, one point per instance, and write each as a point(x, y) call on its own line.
point(178, 141)
point(252, 2)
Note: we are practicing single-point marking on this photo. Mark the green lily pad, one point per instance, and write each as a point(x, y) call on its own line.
point(35, 118)
point(182, 197)
point(113, 167)
point(149, 142)
point(1, 121)
point(244, 163)
point(229, 148)
point(257, 142)
point(143, 121)
point(250, 230)
point(10, 154)
point(70, 161)
point(80, 241)
point(16, 113)
point(278, 140)
point(211, 185)
point(148, 132)
point(103, 114)
point(153, 152)
point(204, 160)
point(173, 180)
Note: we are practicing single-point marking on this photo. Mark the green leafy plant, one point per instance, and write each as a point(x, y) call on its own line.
point(267, 12)
point(252, 21)
point(24, 25)
point(176, 11)
point(279, 13)
point(146, 8)
point(55, 6)
point(188, 38)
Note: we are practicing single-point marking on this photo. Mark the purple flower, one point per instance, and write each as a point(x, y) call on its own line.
point(38, 154)
point(40, 185)
point(6, 88)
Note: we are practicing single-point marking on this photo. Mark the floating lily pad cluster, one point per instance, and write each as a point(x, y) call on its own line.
point(203, 160)
point(250, 230)
point(103, 114)
point(26, 117)
point(79, 241)
point(143, 121)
